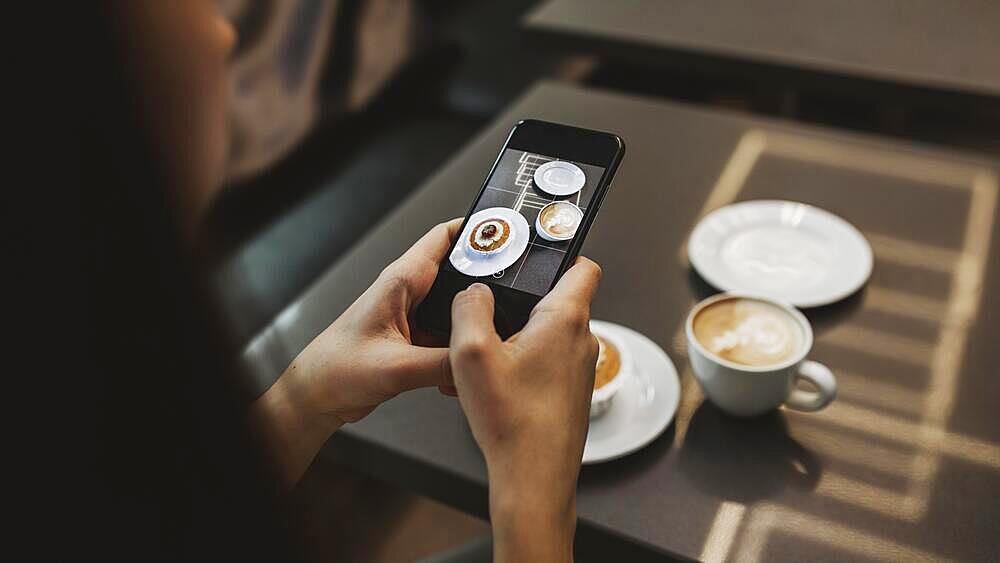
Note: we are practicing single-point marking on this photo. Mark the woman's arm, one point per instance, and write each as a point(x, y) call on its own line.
point(365, 357)
point(291, 430)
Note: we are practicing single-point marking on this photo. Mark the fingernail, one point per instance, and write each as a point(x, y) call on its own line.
point(479, 287)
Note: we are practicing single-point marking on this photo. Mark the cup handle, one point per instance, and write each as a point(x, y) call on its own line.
point(826, 388)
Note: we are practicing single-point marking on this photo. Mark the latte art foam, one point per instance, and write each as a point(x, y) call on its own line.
point(748, 332)
point(561, 219)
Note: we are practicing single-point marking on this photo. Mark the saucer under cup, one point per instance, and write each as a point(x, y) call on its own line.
point(642, 408)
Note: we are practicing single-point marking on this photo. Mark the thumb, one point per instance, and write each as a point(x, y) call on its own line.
point(472, 320)
point(420, 367)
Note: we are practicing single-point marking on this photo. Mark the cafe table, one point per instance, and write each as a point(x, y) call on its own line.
point(904, 465)
point(929, 49)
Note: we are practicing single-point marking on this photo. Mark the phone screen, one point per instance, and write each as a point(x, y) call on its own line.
point(525, 220)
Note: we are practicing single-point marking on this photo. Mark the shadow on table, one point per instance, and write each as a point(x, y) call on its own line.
point(745, 459)
point(623, 469)
point(700, 289)
point(828, 316)
point(594, 543)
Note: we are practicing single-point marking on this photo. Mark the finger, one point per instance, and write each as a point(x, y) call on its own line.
point(576, 289)
point(449, 390)
point(418, 266)
point(565, 311)
point(433, 246)
point(472, 320)
point(419, 367)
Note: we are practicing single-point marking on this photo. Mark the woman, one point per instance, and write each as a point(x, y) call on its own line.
point(184, 475)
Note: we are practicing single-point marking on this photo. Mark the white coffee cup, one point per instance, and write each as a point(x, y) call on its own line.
point(749, 390)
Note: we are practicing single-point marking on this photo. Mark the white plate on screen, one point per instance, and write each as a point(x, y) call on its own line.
point(559, 177)
point(480, 266)
point(787, 250)
point(643, 408)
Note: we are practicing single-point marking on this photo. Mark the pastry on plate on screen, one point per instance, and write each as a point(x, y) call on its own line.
point(490, 236)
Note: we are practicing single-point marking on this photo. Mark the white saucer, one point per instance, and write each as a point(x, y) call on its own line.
point(479, 266)
point(643, 408)
point(559, 177)
point(787, 250)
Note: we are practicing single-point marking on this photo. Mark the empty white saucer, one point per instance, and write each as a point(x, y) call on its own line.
point(787, 250)
point(643, 408)
point(480, 266)
point(559, 177)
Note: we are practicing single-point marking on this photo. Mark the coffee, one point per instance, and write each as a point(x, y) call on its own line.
point(748, 352)
point(560, 219)
point(749, 332)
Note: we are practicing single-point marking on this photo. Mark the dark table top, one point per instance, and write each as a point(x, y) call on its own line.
point(928, 44)
point(906, 462)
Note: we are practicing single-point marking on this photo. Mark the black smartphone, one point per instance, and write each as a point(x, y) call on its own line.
point(528, 221)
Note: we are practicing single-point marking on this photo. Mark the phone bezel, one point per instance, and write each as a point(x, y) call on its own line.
point(563, 142)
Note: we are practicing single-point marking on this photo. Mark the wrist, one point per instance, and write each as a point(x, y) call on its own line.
point(291, 428)
point(532, 521)
point(293, 404)
point(300, 387)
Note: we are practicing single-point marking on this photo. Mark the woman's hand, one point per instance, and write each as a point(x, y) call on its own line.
point(370, 354)
point(528, 404)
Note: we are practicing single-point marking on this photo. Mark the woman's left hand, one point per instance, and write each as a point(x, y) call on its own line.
point(373, 352)
point(370, 354)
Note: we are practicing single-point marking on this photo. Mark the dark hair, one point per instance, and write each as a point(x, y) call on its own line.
point(178, 476)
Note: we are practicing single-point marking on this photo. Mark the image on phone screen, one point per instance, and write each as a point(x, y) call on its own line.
point(524, 222)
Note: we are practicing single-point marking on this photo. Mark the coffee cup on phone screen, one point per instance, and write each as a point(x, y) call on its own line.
point(748, 354)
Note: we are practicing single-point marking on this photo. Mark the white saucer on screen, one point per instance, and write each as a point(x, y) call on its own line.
point(643, 408)
point(787, 250)
point(479, 266)
point(559, 177)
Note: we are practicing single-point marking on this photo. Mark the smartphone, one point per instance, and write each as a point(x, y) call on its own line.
point(528, 221)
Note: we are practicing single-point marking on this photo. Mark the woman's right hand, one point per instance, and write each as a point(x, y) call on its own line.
point(528, 401)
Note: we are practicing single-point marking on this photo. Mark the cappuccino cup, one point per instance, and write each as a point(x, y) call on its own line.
point(748, 354)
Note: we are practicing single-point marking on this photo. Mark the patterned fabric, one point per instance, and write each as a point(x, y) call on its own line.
point(301, 61)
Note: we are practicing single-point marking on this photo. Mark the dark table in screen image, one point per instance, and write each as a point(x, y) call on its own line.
point(512, 186)
point(904, 465)
point(920, 47)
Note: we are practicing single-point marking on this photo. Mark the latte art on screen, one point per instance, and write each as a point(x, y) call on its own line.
point(561, 220)
point(748, 332)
